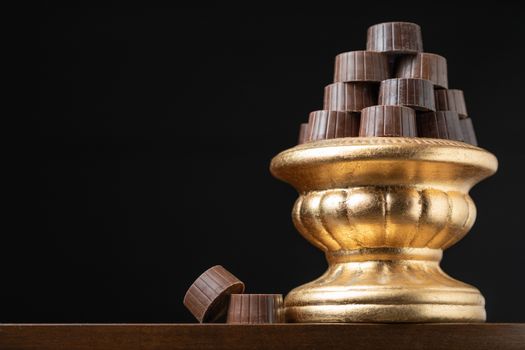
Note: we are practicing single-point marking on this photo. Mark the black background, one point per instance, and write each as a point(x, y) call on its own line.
point(144, 158)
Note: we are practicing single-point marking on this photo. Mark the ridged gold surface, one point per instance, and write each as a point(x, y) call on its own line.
point(383, 209)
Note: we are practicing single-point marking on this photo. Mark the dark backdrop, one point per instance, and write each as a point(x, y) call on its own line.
point(144, 159)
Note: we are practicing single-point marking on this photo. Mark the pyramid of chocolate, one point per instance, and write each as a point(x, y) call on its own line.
point(391, 89)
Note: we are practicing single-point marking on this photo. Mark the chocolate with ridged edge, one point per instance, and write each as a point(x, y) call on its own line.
point(303, 131)
point(388, 121)
point(414, 93)
point(423, 65)
point(395, 38)
point(208, 297)
point(255, 308)
point(439, 125)
point(332, 124)
point(469, 135)
point(361, 66)
point(451, 100)
point(349, 97)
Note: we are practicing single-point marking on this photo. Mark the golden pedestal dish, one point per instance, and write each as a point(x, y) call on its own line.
point(383, 210)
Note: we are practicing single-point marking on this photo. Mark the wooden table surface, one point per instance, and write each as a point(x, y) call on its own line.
point(277, 336)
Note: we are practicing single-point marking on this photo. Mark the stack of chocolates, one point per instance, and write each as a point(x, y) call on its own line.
point(393, 89)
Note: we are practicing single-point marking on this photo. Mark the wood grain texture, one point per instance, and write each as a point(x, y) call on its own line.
point(277, 336)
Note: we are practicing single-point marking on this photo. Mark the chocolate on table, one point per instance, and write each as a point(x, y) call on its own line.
point(255, 308)
point(451, 100)
point(469, 135)
point(395, 38)
point(361, 66)
point(414, 93)
point(332, 124)
point(208, 297)
point(303, 130)
point(349, 97)
point(423, 65)
point(439, 125)
point(388, 121)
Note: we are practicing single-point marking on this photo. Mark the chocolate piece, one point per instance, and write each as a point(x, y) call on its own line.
point(364, 66)
point(394, 37)
point(388, 121)
point(207, 298)
point(303, 131)
point(333, 124)
point(439, 125)
point(451, 100)
point(255, 308)
point(415, 93)
point(349, 97)
point(311, 123)
point(427, 66)
point(469, 135)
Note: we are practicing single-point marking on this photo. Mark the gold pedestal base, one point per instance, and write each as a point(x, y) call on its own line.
point(383, 210)
point(385, 285)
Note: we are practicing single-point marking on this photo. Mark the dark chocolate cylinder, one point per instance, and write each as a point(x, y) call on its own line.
point(361, 66)
point(424, 65)
point(332, 124)
point(349, 97)
point(388, 121)
point(414, 93)
point(303, 132)
point(439, 125)
point(395, 38)
point(469, 134)
point(208, 297)
point(451, 100)
point(255, 308)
